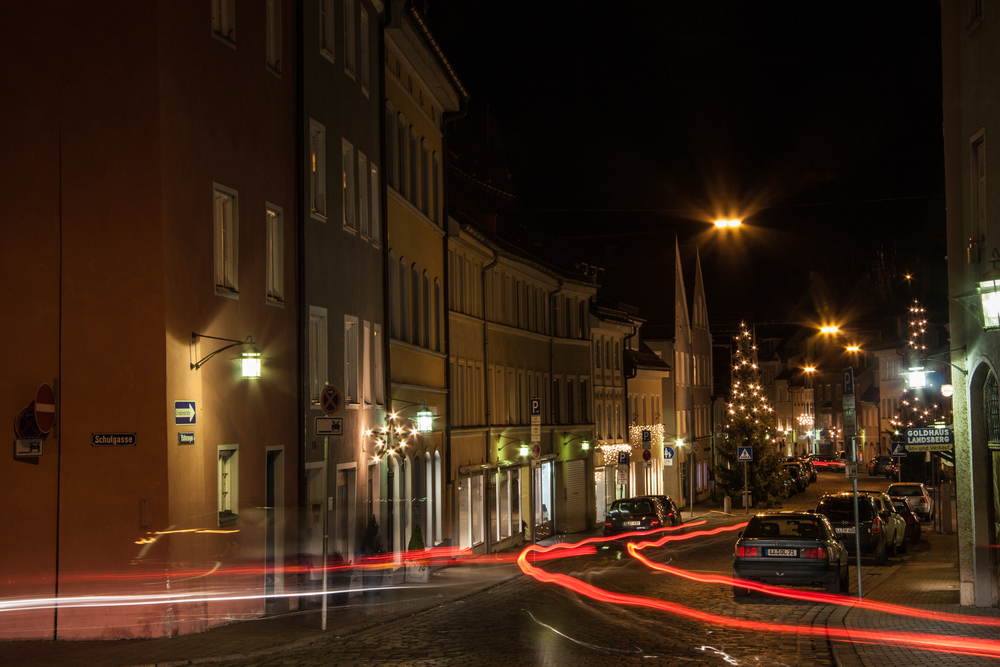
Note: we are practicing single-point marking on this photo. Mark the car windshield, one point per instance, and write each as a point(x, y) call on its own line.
point(906, 490)
point(782, 527)
point(633, 507)
point(842, 509)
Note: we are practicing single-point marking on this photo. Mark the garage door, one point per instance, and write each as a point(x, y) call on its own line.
point(576, 496)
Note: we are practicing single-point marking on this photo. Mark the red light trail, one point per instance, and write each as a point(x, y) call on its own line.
point(937, 643)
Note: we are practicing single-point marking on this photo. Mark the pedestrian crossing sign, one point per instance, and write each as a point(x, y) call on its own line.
point(899, 449)
point(744, 454)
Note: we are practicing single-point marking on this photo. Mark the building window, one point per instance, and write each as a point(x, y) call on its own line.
point(393, 297)
point(376, 208)
point(227, 240)
point(347, 164)
point(424, 180)
point(978, 172)
point(317, 353)
point(437, 316)
point(597, 421)
point(618, 364)
point(229, 484)
point(390, 146)
point(363, 194)
point(411, 190)
point(224, 20)
point(365, 76)
point(327, 40)
point(366, 383)
point(584, 399)
point(415, 307)
point(427, 310)
point(273, 35)
point(275, 255)
point(435, 188)
point(379, 378)
point(317, 170)
point(404, 299)
point(597, 354)
point(401, 154)
point(349, 57)
point(991, 408)
point(351, 359)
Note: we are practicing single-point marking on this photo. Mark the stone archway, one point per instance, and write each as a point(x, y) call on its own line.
point(984, 473)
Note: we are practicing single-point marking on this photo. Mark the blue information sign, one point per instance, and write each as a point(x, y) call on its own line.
point(622, 458)
point(647, 435)
point(668, 452)
point(744, 454)
point(184, 413)
point(536, 406)
point(898, 449)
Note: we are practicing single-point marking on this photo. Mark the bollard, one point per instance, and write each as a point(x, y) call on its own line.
point(727, 505)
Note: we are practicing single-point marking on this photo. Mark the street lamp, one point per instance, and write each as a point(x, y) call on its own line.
point(722, 224)
point(989, 291)
point(250, 359)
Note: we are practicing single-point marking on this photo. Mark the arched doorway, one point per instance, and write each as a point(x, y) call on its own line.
point(984, 469)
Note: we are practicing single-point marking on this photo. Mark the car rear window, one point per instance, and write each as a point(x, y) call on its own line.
point(633, 507)
point(842, 509)
point(906, 490)
point(778, 527)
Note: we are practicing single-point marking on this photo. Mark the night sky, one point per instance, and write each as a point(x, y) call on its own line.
point(817, 123)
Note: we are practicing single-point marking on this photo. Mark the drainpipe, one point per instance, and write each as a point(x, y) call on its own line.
point(627, 373)
point(486, 392)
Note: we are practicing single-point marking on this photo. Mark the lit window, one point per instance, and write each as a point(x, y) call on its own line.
point(228, 484)
point(275, 255)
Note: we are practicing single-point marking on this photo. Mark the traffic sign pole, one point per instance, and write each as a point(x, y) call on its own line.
point(857, 531)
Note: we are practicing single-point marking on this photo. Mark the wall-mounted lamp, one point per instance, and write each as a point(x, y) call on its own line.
point(989, 292)
point(250, 359)
point(585, 445)
point(522, 451)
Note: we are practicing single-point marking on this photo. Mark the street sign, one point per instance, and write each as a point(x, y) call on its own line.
point(696, 447)
point(647, 435)
point(25, 425)
point(851, 470)
point(112, 439)
point(535, 463)
point(744, 454)
point(536, 429)
point(25, 447)
point(330, 399)
point(45, 408)
point(848, 380)
point(185, 438)
point(929, 439)
point(850, 417)
point(329, 426)
point(623, 458)
point(536, 407)
point(668, 462)
point(647, 464)
point(185, 413)
point(718, 428)
point(621, 475)
point(898, 449)
point(668, 453)
point(646, 455)
point(536, 450)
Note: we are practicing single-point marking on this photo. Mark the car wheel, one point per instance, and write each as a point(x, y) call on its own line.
point(740, 592)
point(880, 554)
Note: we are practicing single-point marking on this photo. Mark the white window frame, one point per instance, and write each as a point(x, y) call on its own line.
point(347, 168)
point(224, 21)
point(351, 370)
point(228, 484)
point(327, 27)
point(272, 34)
point(275, 250)
point(365, 59)
point(378, 369)
point(226, 226)
point(350, 54)
point(363, 195)
point(317, 171)
point(376, 211)
point(319, 370)
point(366, 370)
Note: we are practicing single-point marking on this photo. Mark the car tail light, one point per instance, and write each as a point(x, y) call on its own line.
point(607, 524)
point(876, 526)
point(923, 501)
point(746, 552)
point(654, 522)
point(671, 514)
point(814, 552)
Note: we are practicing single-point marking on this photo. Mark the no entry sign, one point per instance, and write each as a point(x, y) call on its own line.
point(45, 408)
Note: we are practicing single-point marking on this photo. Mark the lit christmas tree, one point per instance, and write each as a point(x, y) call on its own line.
point(751, 421)
point(916, 409)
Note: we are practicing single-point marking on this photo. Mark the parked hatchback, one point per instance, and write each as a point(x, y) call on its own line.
point(794, 548)
point(630, 515)
point(918, 495)
point(839, 509)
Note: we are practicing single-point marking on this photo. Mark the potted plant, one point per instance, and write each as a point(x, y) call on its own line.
point(371, 545)
point(417, 570)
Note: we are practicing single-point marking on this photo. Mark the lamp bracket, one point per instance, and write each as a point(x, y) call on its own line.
point(232, 343)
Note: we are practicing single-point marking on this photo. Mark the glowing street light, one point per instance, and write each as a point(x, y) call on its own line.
point(829, 329)
point(728, 223)
point(853, 348)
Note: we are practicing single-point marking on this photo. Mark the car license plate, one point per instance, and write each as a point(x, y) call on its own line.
point(782, 552)
point(847, 530)
point(631, 524)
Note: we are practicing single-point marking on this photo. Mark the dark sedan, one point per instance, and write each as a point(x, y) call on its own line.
point(839, 509)
point(630, 515)
point(793, 548)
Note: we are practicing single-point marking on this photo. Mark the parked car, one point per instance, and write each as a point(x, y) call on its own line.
point(895, 524)
point(791, 488)
point(918, 495)
point(806, 465)
point(630, 515)
point(673, 513)
point(878, 464)
point(902, 505)
point(795, 473)
point(839, 509)
point(794, 548)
